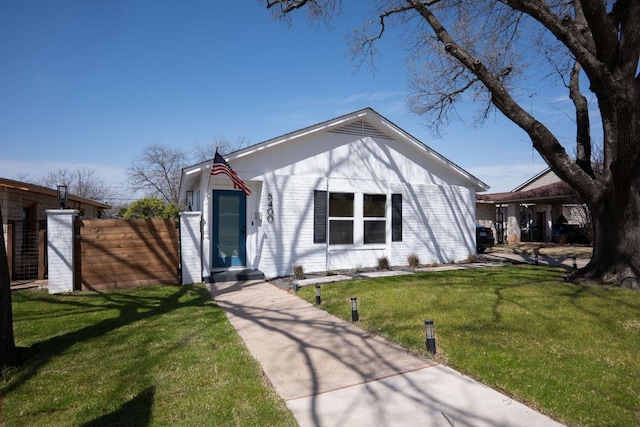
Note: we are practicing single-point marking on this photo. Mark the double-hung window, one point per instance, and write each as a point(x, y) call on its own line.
point(341, 218)
point(374, 218)
point(356, 218)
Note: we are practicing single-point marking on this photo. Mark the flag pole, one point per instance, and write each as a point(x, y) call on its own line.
point(211, 170)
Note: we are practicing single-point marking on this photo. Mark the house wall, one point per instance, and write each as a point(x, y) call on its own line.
point(545, 179)
point(438, 202)
point(14, 200)
point(486, 214)
point(438, 217)
point(351, 157)
point(437, 226)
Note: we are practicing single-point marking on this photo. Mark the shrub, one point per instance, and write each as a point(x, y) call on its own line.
point(298, 272)
point(413, 260)
point(383, 263)
point(473, 257)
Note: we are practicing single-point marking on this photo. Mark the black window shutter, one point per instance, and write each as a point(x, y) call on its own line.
point(396, 217)
point(319, 216)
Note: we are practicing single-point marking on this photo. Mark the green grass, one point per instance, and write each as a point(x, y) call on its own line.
point(150, 356)
point(572, 352)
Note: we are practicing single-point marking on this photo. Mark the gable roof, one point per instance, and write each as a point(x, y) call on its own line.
point(557, 192)
point(547, 176)
point(39, 189)
point(365, 122)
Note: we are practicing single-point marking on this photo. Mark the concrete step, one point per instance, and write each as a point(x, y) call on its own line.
point(234, 275)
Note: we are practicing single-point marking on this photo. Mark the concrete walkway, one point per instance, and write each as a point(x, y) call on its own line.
point(332, 373)
point(560, 261)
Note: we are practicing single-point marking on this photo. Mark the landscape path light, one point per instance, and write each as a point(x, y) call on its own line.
point(575, 264)
point(318, 297)
point(354, 309)
point(431, 336)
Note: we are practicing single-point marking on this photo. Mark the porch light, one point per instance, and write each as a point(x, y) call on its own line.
point(318, 297)
point(63, 194)
point(431, 336)
point(354, 309)
point(189, 200)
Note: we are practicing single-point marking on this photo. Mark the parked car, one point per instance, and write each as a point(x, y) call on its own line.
point(484, 238)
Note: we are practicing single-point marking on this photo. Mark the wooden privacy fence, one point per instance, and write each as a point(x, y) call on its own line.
point(113, 254)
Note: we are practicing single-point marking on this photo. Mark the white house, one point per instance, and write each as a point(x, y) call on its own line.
point(336, 195)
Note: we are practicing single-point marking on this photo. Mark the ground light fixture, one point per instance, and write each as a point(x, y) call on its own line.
point(295, 284)
point(536, 259)
point(431, 336)
point(354, 309)
point(318, 297)
point(575, 264)
point(63, 194)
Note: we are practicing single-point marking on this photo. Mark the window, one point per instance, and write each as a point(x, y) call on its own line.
point(375, 221)
point(340, 218)
point(336, 221)
point(396, 217)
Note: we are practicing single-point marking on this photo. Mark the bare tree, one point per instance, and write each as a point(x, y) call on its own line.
point(202, 152)
point(481, 50)
point(156, 172)
point(23, 177)
point(83, 182)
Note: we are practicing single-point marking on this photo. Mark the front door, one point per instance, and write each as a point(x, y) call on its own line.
point(229, 228)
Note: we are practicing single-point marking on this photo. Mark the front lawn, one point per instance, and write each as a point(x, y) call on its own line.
point(571, 351)
point(150, 356)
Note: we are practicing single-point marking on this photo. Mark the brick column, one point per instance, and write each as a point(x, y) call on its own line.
point(60, 249)
point(190, 247)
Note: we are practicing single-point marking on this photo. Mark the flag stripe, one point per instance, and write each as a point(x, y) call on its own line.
point(221, 167)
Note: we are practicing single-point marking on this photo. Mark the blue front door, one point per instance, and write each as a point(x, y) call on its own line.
point(229, 228)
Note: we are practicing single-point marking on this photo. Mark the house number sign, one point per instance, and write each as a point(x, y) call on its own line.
point(270, 208)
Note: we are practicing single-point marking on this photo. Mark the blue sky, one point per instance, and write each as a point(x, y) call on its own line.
point(91, 83)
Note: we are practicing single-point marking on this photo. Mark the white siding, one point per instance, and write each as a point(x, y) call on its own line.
point(288, 239)
point(438, 198)
point(438, 225)
point(351, 158)
point(190, 248)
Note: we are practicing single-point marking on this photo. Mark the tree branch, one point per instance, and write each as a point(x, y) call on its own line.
point(543, 140)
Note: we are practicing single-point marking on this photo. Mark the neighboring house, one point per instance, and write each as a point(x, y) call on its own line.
point(542, 209)
point(24, 220)
point(337, 195)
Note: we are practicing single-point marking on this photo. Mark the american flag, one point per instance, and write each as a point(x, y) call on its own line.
point(220, 166)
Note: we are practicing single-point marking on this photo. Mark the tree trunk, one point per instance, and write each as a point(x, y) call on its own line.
point(616, 254)
point(8, 353)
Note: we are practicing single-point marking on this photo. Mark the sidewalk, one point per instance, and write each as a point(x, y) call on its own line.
point(332, 373)
point(560, 261)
